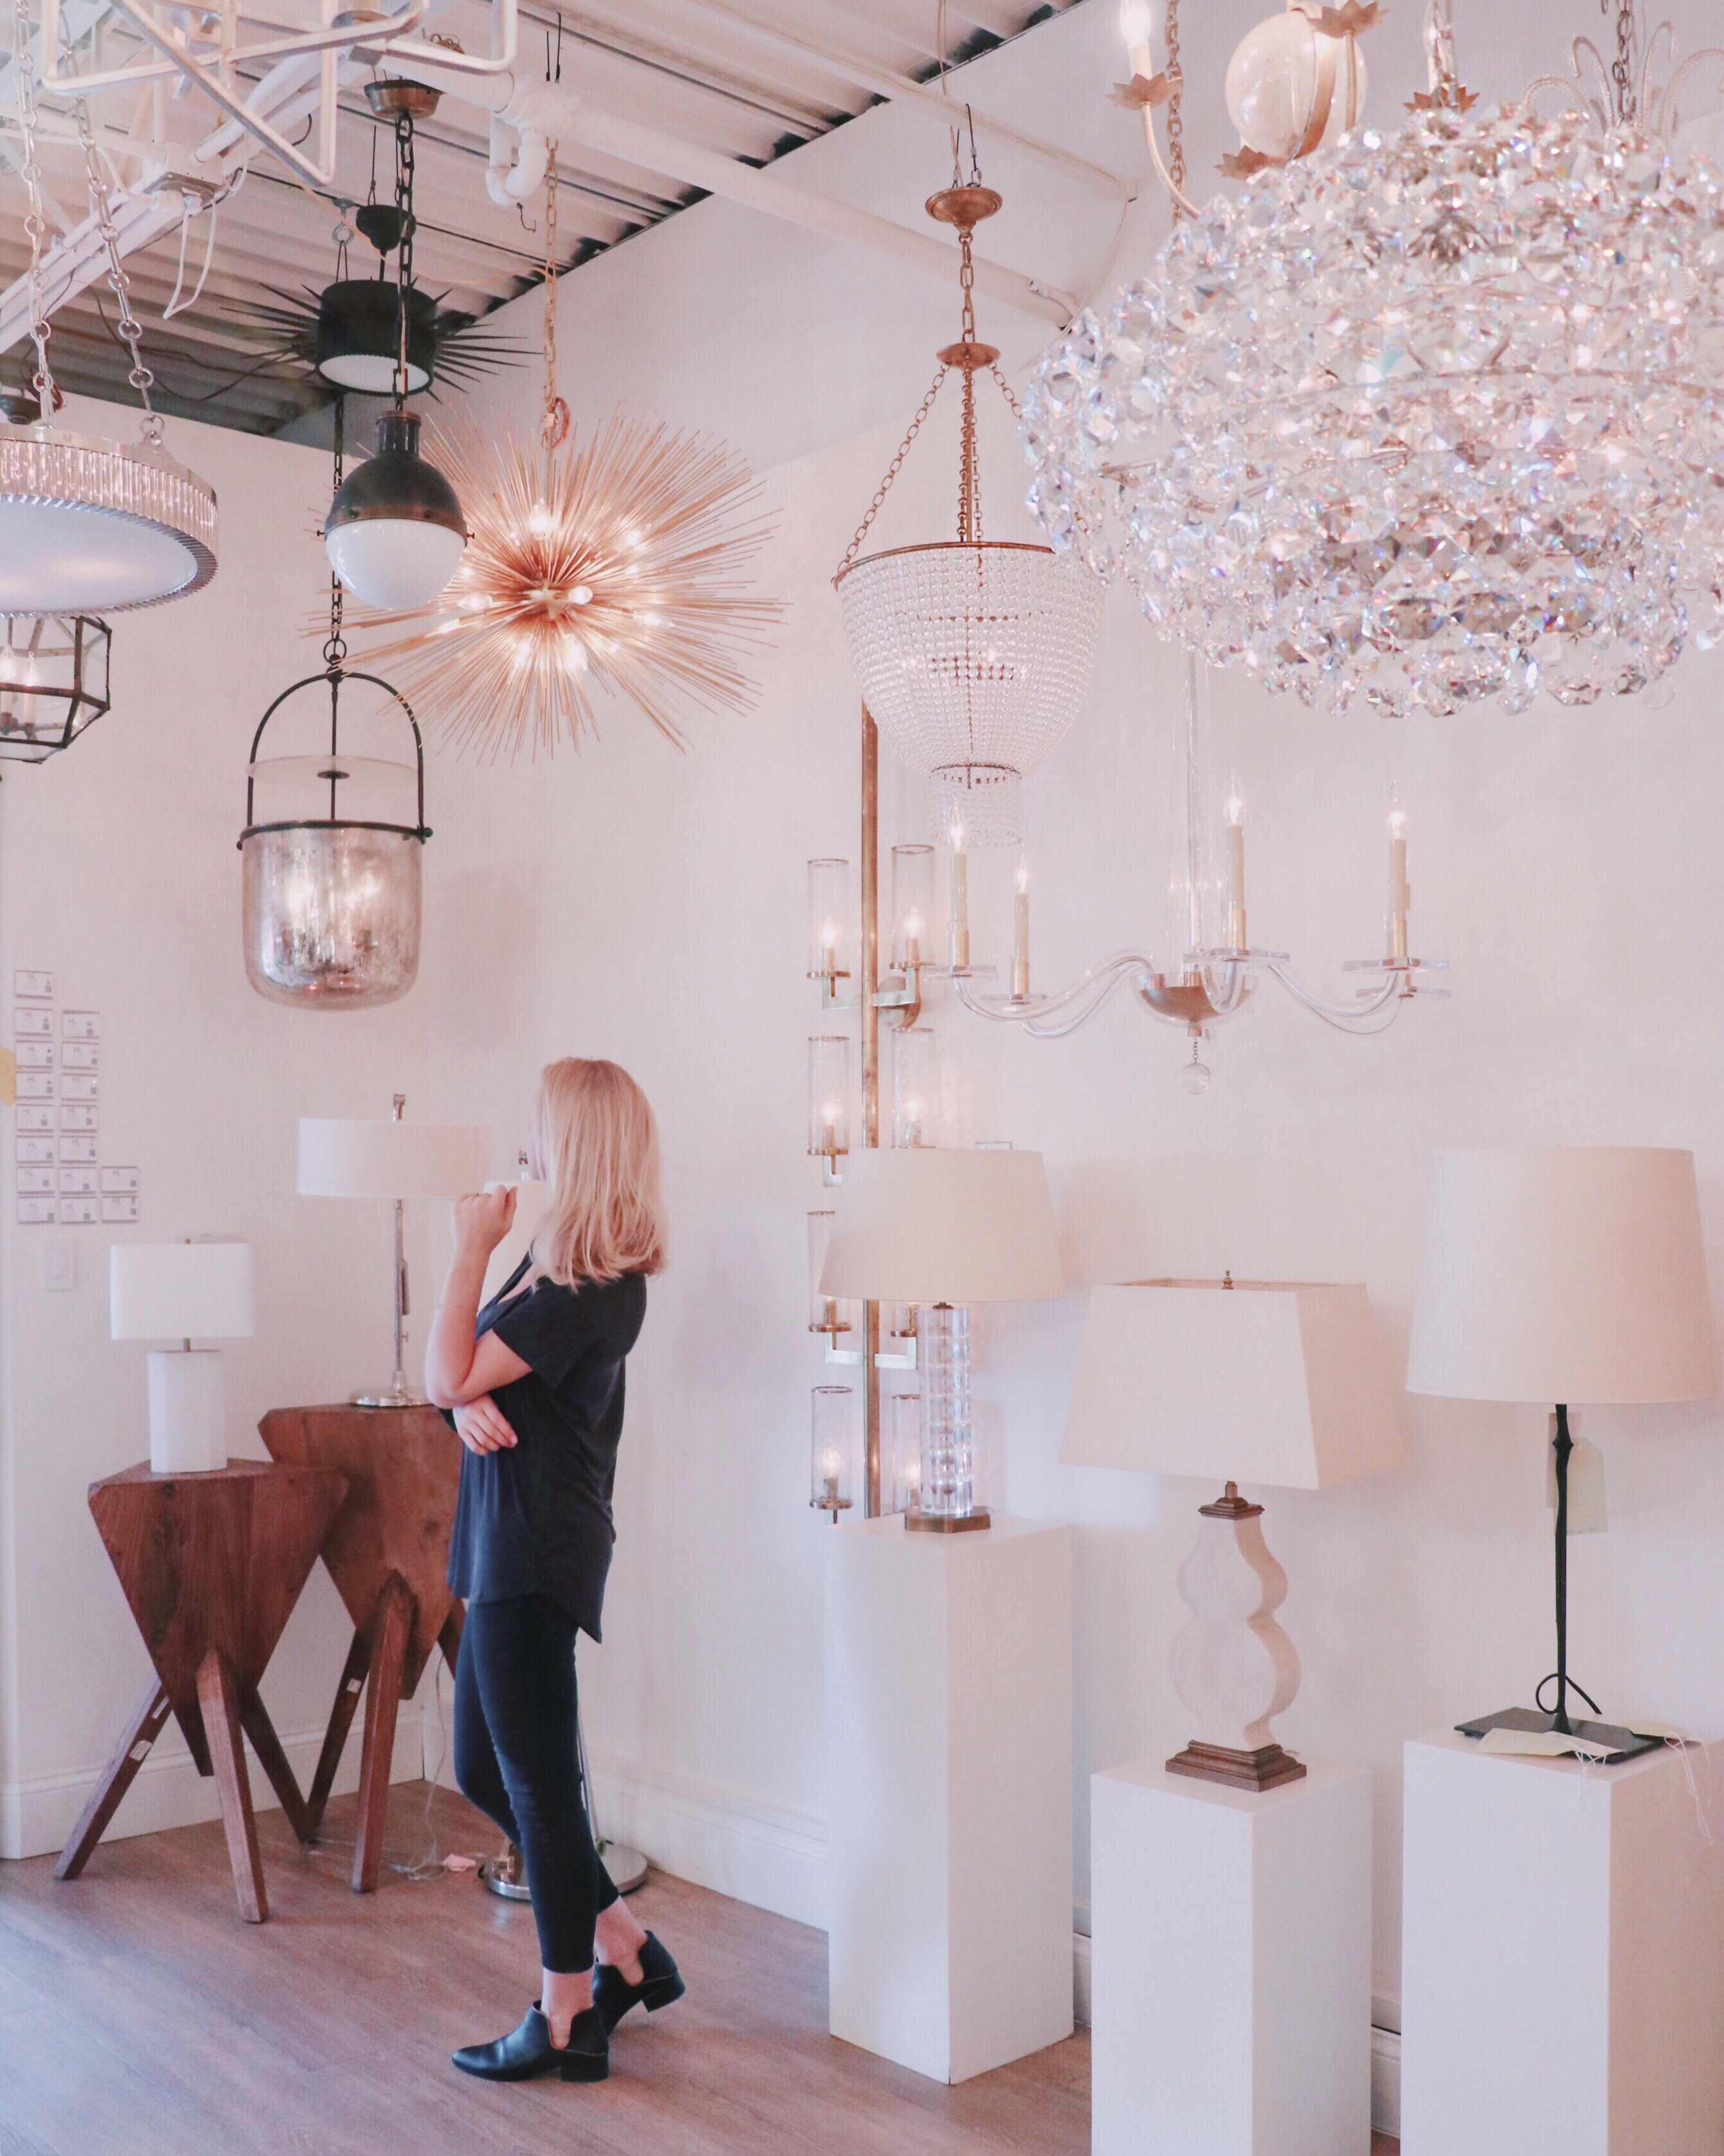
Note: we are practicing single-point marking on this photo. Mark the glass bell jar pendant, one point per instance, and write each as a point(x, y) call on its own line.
point(333, 903)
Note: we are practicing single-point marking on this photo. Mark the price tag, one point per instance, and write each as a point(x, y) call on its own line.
point(33, 1153)
point(79, 1212)
point(119, 1179)
point(34, 1119)
point(77, 1116)
point(34, 1182)
point(35, 1055)
point(77, 1055)
point(37, 985)
point(119, 1210)
point(28, 1024)
point(80, 1025)
point(35, 1085)
point(79, 1085)
point(79, 1152)
point(77, 1181)
point(35, 1212)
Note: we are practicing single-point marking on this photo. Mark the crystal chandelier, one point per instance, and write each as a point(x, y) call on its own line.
point(973, 654)
point(89, 526)
point(617, 562)
point(1429, 417)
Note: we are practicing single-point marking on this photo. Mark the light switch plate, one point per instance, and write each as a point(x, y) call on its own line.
point(58, 1257)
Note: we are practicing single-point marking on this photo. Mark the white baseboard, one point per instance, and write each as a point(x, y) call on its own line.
point(37, 1814)
point(1386, 2082)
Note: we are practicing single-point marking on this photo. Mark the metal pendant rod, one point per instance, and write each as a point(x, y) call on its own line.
point(870, 1015)
point(1563, 1445)
point(399, 1381)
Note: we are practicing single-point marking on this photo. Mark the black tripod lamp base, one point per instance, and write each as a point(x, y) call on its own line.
point(1624, 1744)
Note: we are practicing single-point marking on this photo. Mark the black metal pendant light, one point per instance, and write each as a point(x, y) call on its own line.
point(395, 532)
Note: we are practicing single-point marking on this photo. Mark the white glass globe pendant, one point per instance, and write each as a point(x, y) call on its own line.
point(395, 532)
point(87, 525)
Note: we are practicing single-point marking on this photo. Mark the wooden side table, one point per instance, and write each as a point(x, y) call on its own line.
point(387, 1553)
point(210, 1566)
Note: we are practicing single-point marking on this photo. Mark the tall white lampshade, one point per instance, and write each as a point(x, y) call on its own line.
point(1561, 1274)
point(944, 1227)
point(1274, 1382)
point(184, 1292)
point(344, 1158)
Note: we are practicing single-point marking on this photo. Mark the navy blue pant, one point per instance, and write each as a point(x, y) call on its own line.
point(517, 1756)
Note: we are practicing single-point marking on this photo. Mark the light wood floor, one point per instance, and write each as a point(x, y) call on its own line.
point(138, 2017)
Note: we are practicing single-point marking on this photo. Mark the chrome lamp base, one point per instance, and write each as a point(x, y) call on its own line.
point(506, 1875)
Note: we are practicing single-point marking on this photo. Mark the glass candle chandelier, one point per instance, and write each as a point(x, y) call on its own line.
point(973, 654)
point(331, 905)
point(832, 1473)
point(1425, 418)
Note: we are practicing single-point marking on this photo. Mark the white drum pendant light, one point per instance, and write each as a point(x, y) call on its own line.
point(395, 532)
point(89, 526)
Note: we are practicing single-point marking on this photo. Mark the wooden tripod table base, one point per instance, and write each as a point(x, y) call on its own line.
point(211, 1567)
point(388, 1553)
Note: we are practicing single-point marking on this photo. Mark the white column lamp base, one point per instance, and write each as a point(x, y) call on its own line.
point(188, 1411)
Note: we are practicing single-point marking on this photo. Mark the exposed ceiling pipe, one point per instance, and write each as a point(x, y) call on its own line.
point(905, 90)
point(556, 111)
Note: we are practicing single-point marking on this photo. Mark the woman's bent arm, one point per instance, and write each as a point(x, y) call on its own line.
point(458, 1369)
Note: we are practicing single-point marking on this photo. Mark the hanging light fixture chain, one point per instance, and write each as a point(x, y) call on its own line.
point(1176, 122)
point(885, 488)
point(405, 260)
point(131, 329)
point(35, 223)
point(335, 647)
point(1622, 67)
point(554, 421)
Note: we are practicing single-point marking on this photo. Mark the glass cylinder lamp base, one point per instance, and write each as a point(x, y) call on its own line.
point(916, 1521)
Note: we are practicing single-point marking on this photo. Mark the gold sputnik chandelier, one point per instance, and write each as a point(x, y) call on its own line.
point(616, 563)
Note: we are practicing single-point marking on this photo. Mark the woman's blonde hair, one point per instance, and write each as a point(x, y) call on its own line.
point(597, 1144)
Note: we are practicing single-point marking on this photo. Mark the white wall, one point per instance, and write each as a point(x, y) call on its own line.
point(629, 904)
point(118, 874)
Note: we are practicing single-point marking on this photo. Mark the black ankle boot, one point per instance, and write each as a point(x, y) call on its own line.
point(660, 1983)
point(527, 2050)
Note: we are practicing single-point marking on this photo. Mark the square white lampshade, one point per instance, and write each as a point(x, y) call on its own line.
point(1559, 1273)
point(1280, 1382)
point(339, 1157)
point(933, 1224)
point(181, 1290)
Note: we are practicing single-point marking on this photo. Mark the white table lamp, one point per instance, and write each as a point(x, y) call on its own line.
point(399, 1160)
point(944, 1227)
point(1272, 1382)
point(184, 1292)
point(1557, 1275)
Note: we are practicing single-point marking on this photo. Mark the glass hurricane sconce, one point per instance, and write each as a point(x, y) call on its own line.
point(915, 1087)
point(830, 1102)
point(832, 1489)
point(906, 1452)
point(332, 904)
point(828, 922)
point(54, 684)
point(827, 1314)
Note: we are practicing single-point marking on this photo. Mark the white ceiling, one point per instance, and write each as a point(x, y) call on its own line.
point(748, 79)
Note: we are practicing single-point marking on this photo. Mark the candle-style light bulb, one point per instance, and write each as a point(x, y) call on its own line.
point(1020, 930)
point(1236, 937)
point(1399, 897)
point(959, 938)
point(8, 664)
point(539, 519)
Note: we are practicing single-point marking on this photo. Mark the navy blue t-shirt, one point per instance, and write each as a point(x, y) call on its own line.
point(535, 1518)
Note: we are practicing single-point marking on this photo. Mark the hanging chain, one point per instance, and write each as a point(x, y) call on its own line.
point(1176, 123)
point(335, 646)
point(1622, 67)
point(969, 490)
point(554, 421)
point(96, 176)
point(896, 465)
point(404, 258)
point(35, 223)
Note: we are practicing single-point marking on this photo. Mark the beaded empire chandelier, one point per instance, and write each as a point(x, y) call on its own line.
point(1430, 417)
point(618, 562)
point(973, 654)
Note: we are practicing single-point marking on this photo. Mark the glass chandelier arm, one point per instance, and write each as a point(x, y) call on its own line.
point(1396, 988)
point(1098, 983)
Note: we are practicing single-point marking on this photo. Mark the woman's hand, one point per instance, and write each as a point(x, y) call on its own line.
point(482, 1220)
point(483, 1427)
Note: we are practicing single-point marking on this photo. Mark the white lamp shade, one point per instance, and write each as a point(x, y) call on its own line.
point(339, 1158)
point(1279, 1382)
point(182, 1291)
point(926, 1223)
point(1562, 1274)
point(396, 562)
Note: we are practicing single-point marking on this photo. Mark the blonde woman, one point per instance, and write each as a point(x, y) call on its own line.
point(533, 1383)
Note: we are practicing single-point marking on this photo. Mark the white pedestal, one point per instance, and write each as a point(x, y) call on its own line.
point(1231, 1959)
point(188, 1412)
point(1562, 1972)
point(948, 1751)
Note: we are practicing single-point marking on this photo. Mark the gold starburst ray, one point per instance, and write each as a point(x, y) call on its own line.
point(623, 573)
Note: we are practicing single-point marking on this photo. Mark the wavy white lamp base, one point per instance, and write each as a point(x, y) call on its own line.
point(1233, 1665)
